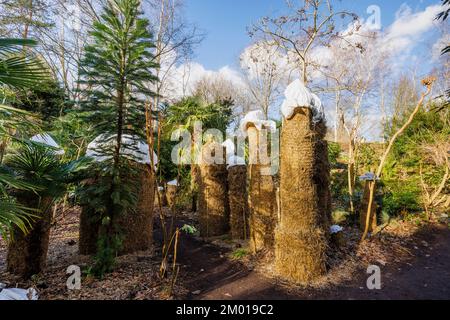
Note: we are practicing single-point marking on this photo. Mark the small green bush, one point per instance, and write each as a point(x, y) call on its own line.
point(401, 197)
point(334, 151)
point(339, 216)
point(239, 254)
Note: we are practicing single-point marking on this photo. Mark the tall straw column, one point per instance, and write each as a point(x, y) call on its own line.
point(135, 227)
point(213, 205)
point(262, 194)
point(301, 236)
point(237, 195)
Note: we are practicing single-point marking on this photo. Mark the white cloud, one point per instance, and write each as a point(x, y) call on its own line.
point(398, 39)
point(185, 77)
point(264, 58)
point(411, 25)
point(439, 45)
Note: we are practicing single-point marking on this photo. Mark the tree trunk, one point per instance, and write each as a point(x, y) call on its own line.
point(27, 254)
point(363, 211)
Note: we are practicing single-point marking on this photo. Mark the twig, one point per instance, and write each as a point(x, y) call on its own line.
point(428, 82)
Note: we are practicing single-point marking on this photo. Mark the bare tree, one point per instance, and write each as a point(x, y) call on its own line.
point(302, 29)
point(25, 18)
point(437, 154)
point(428, 83)
point(267, 71)
point(353, 68)
point(175, 40)
point(62, 46)
point(216, 88)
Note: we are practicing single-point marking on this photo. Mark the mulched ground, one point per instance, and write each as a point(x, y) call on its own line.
point(135, 276)
point(414, 262)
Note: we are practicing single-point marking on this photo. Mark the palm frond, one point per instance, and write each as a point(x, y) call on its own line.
point(19, 68)
point(12, 44)
point(13, 214)
point(19, 71)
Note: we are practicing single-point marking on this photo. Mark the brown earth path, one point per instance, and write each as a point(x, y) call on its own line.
point(424, 276)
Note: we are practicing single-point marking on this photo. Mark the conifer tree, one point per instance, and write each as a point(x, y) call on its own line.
point(116, 71)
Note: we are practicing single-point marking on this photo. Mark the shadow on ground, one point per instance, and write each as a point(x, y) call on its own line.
point(208, 274)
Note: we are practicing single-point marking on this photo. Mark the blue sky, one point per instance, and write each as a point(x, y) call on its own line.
point(225, 23)
point(409, 32)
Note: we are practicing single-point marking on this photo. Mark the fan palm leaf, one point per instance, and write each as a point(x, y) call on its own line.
point(17, 68)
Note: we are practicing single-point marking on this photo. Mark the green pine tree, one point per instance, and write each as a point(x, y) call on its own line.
point(116, 72)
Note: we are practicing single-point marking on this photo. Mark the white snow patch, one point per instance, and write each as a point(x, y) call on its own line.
point(258, 119)
point(173, 183)
point(46, 139)
point(133, 147)
point(17, 293)
point(297, 95)
point(234, 160)
point(368, 176)
point(229, 147)
point(336, 229)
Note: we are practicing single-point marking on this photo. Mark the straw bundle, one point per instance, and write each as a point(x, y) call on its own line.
point(171, 194)
point(136, 227)
point(213, 194)
point(262, 196)
point(301, 236)
point(237, 195)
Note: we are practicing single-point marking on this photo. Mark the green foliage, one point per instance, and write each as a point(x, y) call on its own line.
point(367, 158)
point(239, 254)
point(338, 186)
point(33, 172)
point(189, 110)
point(106, 253)
point(401, 197)
point(48, 101)
point(13, 214)
point(183, 115)
point(425, 128)
point(402, 186)
point(73, 133)
point(446, 12)
point(188, 229)
point(339, 216)
point(117, 70)
point(334, 151)
point(41, 168)
point(167, 170)
point(17, 71)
